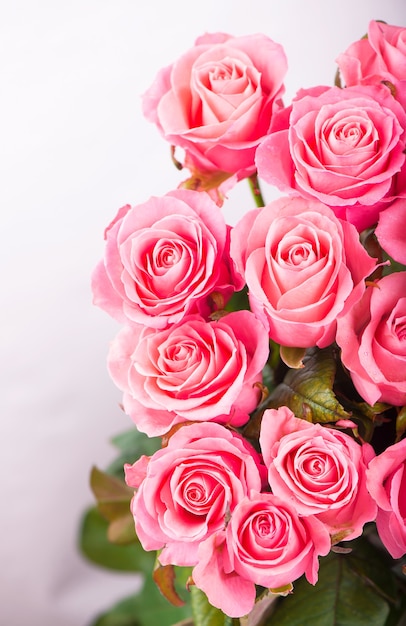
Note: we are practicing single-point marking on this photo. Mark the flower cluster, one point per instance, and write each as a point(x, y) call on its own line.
point(248, 489)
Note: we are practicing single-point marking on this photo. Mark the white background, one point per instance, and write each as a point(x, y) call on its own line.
point(74, 147)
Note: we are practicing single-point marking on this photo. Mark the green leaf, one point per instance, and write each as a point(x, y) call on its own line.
point(342, 597)
point(238, 301)
point(95, 545)
point(308, 391)
point(132, 445)
point(113, 501)
point(144, 609)
point(204, 614)
point(373, 566)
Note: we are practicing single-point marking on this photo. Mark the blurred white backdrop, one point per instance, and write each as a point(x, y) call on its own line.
point(74, 148)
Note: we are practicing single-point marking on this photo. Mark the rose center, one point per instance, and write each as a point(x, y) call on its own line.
point(299, 254)
point(350, 133)
point(165, 255)
point(263, 526)
point(181, 352)
point(197, 493)
point(400, 328)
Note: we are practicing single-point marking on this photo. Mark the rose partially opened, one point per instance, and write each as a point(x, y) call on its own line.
point(303, 267)
point(217, 101)
point(320, 470)
point(372, 338)
point(344, 147)
point(163, 259)
point(378, 58)
point(195, 370)
point(266, 543)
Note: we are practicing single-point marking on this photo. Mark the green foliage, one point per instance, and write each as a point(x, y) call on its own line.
point(355, 589)
point(131, 444)
point(144, 609)
point(164, 577)
point(96, 547)
point(113, 502)
point(308, 391)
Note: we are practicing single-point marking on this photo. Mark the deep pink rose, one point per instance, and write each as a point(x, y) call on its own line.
point(372, 338)
point(386, 481)
point(344, 147)
point(320, 470)
point(380, 57)
point(303, 267)
point(391, 230)
point(194, 370)
point(217, 101)
point(186, 490)
point(162, 259)
point(266, 543)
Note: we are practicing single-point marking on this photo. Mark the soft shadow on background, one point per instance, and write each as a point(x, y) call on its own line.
point(74, 148)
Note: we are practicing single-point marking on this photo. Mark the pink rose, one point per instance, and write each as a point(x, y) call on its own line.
point(391, 231)
point(344, 147)
point(217, 101)
point(266, 543)
point(194, 370)
point(320, 470)
point(186, 490)
point(380, 57)
point(372, 338)
point(162, 259)
point(303, 267)
point(386, 480)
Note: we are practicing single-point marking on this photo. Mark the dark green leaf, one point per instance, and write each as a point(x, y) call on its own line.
point(373, 566)
point(96, 546)
point(238, 301)
point(308, 391)
point(340, 598)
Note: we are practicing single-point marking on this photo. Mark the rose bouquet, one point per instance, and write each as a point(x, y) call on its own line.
point(263, 364)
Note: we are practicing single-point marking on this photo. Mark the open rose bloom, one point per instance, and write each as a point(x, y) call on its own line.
point(378, 58)
point(217, 101)
point(267, 360)
point(345, 147)
point(197, 370)
point(304, 268)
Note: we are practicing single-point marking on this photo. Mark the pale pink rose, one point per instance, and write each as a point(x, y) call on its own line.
point(379, 57)
point(186, 490)
point(303, 267)
point(372, 338)
point(266, 543)
point(320, 470)
point(391, 230)
point(194, 370)
point(217, 101)
point(163, 259)
point(386, 481)
point(344, 147)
